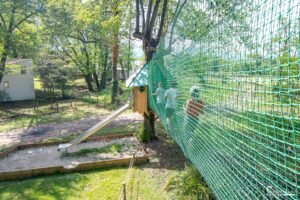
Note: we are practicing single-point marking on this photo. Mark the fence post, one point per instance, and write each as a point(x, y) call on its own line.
point(124, 191)
point(104, 102)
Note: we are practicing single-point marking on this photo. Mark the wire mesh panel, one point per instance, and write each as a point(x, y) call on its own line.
point(225, 82)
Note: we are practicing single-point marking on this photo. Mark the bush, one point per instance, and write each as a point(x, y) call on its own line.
point(189, 185)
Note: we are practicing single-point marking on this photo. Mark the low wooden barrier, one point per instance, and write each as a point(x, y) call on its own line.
point(30, 145)
point(21, 174)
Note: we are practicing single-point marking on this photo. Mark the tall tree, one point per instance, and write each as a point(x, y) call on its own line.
point(149, 28)
point(145, 29)
point(115, 48)
point(76, 33)
point(13, 15)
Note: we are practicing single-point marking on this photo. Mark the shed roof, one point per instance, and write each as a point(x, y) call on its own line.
point(138, 78)
point(17, 61)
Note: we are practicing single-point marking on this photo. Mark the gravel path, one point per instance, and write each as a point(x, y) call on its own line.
point(44, 131)
point(49, 156)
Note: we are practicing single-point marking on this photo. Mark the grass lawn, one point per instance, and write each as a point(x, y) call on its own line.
point(27, 117)
point(146, 183)
point(22, 115)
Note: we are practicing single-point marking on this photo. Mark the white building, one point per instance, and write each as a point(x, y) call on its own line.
point(17, 83)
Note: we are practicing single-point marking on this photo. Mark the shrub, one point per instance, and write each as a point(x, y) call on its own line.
point(189, 185)
point(142, 134)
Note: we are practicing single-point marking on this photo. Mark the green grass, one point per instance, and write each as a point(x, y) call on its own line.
point(37, 84)
point(146, 183)
point(84, 152)
point(189, 185)
point(28, 117)
point(25, 118)
point(22, 115)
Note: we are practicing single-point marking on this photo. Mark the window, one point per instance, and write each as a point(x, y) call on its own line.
point(6, 84)
point(23, 70)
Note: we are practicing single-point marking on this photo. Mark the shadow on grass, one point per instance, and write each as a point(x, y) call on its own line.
point(53, 187)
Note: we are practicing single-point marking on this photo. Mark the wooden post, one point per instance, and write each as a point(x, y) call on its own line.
point(34, 105)
point(97, 99)
point(57, 106)
point(124, 191)
point(104, 102)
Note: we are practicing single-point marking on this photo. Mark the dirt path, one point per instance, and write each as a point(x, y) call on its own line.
point(44, 131)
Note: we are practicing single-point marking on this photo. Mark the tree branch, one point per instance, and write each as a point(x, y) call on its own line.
point(20, 30)
point(143, 14)
point(22, 20)
point(3, 21)
point(137, 35)
point(153, 18)
point(137, 16)
point(162, 20)
point(148, 13)
point(177, 12)
point(85, 41)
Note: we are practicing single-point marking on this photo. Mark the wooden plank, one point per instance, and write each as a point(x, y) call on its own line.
point(140, 100)
point(30, 145)
point(21, 174)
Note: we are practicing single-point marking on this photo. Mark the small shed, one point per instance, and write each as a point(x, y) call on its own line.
point(17, 83)
point(138, 81)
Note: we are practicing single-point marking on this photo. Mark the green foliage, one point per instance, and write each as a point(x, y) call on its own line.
point(142, 135)
point(84, 152)
point(93, 185)
point(12, 69)
point(56, 75)
point(21, 38)
point(189, 185)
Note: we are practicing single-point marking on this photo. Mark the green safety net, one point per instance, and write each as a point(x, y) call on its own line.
point(243, 58)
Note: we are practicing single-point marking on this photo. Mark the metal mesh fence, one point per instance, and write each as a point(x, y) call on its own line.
point(225, 83)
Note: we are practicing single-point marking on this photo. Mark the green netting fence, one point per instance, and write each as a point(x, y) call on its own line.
point(234, 106)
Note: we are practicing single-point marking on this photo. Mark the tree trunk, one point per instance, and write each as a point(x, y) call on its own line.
point(115, 55)
point(149, 122)
point(88, 80)
point(4, 55)
point(95, 75)
point(115, 91)
point(122, 69)
point(103, 74)
point(63, 93)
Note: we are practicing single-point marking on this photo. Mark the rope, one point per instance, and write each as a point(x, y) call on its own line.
point(127, 178)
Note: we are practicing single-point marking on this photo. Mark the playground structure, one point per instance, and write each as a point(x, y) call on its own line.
point(244, 57)
point(95, 128)
point(138, 81)
point(245, 60)
point(34, 159)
